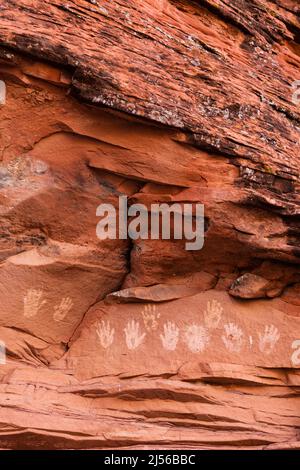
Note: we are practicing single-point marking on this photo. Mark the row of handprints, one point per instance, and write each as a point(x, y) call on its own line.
point(195, 336)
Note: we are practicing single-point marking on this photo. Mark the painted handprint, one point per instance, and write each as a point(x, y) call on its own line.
point(105, 334)
point(132, 334)
point(2, 352)
point(233, 339)
point(61, 310)
point(33, 302)
point(196, 337)
point(2, 92)
point(296, 92)
point(268, 339)
point(213, 314)
point(295, 358)
point(150, 317)
point(170, 336)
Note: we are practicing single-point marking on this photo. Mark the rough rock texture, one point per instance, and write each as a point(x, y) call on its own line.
point(142, 344)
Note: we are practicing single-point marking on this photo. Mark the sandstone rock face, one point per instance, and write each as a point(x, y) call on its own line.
point(141, 343)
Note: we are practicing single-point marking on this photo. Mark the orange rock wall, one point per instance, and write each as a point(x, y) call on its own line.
point(141, 343)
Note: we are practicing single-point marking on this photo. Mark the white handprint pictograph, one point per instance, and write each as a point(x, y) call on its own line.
point(2, 92)
point(268, 339)
point(295, 358)
point(2, 352)
point(61, 310)
point(33, 302)
point(196, 337)
point(170, 336)
point(296, 92)
point(233, 339)
point(213, 314)
point(132, 334)
point(105, 334)
point(150, 317)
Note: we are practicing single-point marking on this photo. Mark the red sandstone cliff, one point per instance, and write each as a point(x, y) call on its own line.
point(143, 344)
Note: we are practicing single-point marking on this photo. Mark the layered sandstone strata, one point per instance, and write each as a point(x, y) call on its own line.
point(141, 343)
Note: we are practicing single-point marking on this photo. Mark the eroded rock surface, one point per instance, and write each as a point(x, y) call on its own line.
point(141, 343)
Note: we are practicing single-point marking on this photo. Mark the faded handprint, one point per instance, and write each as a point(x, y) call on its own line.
point(295, 358)
point(150, 317)
point(61, 310)
point(213, 314)
point(2, 92)
point(233, 339)
point(132, 334)
point(2, 352)
point(33, 302)
point(105, 334)
point(268, 339)
point(170, 337)
point(196, 337)
point(296, 92)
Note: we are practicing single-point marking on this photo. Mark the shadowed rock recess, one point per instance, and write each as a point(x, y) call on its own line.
point(140, 343)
